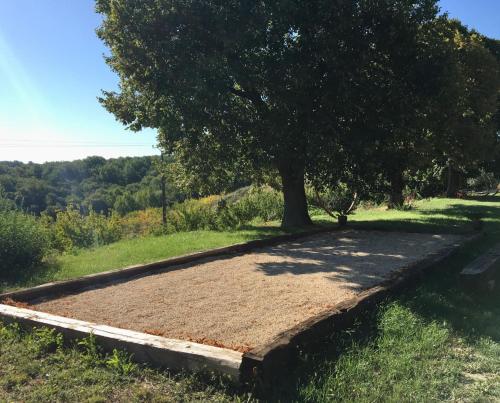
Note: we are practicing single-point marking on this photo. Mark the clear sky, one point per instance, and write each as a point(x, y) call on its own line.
point(52, 70)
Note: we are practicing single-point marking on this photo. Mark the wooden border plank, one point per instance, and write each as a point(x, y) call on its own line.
point(483, 273)
point(159, 351)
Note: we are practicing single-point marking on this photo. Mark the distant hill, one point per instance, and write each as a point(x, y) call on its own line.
point(124, 184)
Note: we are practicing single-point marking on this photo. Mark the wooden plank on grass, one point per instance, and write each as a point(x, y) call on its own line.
point(483, 273)
point(483, 263)
point(159, 351)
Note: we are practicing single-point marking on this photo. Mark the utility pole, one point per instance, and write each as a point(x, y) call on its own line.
point(163, 195)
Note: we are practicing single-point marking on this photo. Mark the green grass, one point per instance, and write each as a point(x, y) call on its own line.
point(35, 367)
point(432, 215)
point(434, 342)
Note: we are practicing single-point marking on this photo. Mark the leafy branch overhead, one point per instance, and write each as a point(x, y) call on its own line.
point(301, 88)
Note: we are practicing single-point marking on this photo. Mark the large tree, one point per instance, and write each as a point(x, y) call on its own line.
point(493, 45)
point(274, 84)
point(402, 102)
point(470, 131)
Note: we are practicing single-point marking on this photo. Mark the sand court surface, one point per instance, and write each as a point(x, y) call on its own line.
point(245, 300)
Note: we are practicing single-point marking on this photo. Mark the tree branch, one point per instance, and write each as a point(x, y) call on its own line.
point(252, 97)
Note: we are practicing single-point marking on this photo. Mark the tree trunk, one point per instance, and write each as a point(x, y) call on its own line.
point(295, 214)
point(452, 188)
point(396, 196)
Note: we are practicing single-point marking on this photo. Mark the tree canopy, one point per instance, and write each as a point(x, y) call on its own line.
point(306, 88)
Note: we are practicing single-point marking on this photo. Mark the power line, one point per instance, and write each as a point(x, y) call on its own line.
point(11, 140)
point(10, 145)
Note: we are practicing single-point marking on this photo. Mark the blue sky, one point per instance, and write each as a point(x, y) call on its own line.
point(52, 70)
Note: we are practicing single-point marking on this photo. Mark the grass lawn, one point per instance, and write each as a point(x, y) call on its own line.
point(432, 215)
point(434, 342)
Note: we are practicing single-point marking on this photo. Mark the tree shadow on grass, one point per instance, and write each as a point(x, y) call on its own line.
point(269, 230)
point(471, 315)
point(432, 225)
point(454, 218)
point(442, 297)
point(463, 212)
point(423, 224)
point(437, 297)
point(484, 199)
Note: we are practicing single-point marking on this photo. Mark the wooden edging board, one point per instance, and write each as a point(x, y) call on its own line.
point(483, 274)
point(155, 350)
point(264, 363)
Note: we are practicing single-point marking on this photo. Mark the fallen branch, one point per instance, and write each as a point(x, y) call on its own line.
point(321, 204)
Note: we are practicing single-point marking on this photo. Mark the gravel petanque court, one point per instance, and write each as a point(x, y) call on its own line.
point(246, 300)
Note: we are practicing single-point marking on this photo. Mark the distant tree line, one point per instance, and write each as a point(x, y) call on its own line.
point(94, 183)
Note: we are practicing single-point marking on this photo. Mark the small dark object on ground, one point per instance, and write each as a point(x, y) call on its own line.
point(342, 219)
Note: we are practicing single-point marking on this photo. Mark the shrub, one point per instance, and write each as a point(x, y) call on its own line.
point(44, 340)
point(485, 181)
point(142, 223)
point(208, 213)
point(262, 203)
point(91, 351)
point(71, 230)
point(125, 204)
point(6, 204)
point(196, 215)
point(24, 243)
point(121, 363)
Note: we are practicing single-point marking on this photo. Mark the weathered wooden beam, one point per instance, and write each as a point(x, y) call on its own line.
point(154, 350)
point(484, 272)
